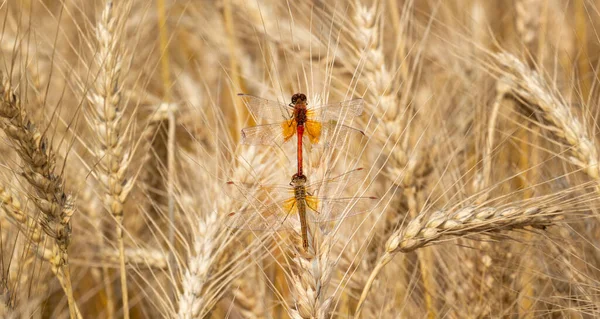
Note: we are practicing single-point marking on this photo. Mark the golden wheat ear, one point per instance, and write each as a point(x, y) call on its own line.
point(48, 189)
point(111, 144)
point(529, 86)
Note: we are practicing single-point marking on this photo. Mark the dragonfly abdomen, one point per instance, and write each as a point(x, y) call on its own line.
point(300, 201)
point(301, 118)
point(299, 132)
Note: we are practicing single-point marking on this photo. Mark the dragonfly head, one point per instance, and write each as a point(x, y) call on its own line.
point(298, 180)
point(298, 98)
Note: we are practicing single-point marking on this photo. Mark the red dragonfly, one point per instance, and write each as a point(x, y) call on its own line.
point(270, 207)
point(321, 123)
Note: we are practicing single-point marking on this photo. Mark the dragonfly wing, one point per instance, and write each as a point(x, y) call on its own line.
point(336, 185)
point(241, 191)
point(332, 209)
point(266, 109)
point(275, 217)
point(255, 192)
point(268, 134)
point(334, 135)
point(340, 111)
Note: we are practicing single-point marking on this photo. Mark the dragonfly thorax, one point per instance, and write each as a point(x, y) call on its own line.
point(300, 114)
point(299, 104)
point(300, 193)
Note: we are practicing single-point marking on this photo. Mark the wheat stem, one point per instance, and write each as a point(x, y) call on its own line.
point(501, 90)
point(425, 259)
point(171, 120)
point(94, 209)
point(383, 260)
point(239, 109)
point(525, 278)
point(583, 63)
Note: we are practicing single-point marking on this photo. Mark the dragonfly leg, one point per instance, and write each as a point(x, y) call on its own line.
point(314, 209)
point(288, 213)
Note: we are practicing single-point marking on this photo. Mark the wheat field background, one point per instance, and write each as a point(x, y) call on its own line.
point(120, 130)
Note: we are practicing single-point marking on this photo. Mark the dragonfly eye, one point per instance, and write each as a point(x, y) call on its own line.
point(302, 97)
point(294, 98)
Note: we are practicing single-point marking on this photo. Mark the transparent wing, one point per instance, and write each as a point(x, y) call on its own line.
point(339, 111)
point(268, 134)
point(337, 136)
point(256, 194)
point(332, 135)
point(332, 209)
point(268, 110)
point(274, 217)
point(336, 185)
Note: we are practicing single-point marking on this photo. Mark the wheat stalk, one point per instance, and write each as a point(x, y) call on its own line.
point(94, 208)
point(39, 170)
point(353, 266)
point(583, 58)
point(105, 116)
